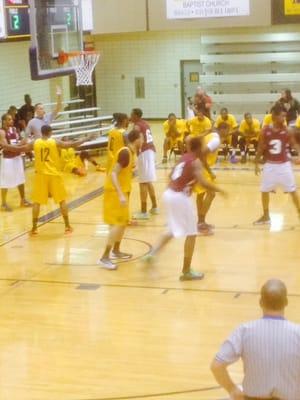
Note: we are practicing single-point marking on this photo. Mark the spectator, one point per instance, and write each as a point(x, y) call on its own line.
point(26, 112)
point(13, 111)
point(40, 119)
point(202, 101)
point(269, 348)
point(290, 105)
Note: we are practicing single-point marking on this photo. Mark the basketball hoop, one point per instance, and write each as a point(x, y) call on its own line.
point(84, 63)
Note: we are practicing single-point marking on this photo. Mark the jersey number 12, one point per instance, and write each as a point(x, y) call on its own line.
point(45, 155)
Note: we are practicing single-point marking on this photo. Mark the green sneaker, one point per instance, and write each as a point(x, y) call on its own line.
point(141, 216)
point(149, 259)
point(192, 276)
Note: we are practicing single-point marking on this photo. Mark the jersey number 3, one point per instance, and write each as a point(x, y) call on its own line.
point(45, 155)
point(276, 146)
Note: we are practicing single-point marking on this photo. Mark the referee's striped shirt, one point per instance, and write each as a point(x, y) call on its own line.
point(270, 351)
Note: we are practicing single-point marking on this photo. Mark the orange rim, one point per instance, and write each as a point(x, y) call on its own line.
point(81, 53)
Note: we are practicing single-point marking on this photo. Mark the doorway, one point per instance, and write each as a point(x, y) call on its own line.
point(190, 80)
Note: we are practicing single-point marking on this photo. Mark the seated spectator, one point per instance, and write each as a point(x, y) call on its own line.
point(175, 130)
point(269, 348)
point(232, 139)
point(249, 131)
point(199, 125)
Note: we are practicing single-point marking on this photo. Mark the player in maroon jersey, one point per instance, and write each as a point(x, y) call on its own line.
point(12, 167)
point(180, 206)
point(274, 146)
point(146, 165)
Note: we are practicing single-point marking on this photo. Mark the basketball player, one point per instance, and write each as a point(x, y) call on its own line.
point(232, 140)
point(42, 118)
point(199, 125)
point(210, 147)
point(146, 165)
point(249, 131)
point(116, 199)
point(277, 171)
point(48, 176)
point(12, 167)
point(116, 137)
point(175, 130)
point(180, 207)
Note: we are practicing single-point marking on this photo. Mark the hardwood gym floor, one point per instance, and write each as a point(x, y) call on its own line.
point(71, 331)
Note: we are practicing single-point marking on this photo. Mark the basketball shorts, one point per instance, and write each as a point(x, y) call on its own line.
point(48, 185)
point(146, 166)
point(181, 213)
point(11, 172)
point(113, 212)
point(200, 189)
point(278, 175)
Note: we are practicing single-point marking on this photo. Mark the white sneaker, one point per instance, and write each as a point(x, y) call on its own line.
point(107, 264)
point(120, 256)
point(154, 211)
point(141, 216)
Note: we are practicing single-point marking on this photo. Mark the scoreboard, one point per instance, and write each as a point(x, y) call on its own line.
point(14, 18)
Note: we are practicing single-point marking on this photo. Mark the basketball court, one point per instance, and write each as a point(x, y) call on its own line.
point(73, 331)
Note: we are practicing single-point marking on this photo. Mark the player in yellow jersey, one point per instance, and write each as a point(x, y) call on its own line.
point(48, 175)
point(200, 125)
point(249, 131)
point(75, 162)
point(116, 199)
point(268, 119)
point(116, 137)
point(175, 130)
point(210, 148)
point(232, 139)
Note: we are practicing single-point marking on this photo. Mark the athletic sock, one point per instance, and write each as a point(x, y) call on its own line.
point(144, 207)
point(66, 219)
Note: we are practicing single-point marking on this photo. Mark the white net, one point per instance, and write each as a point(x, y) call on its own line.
point(84, 65)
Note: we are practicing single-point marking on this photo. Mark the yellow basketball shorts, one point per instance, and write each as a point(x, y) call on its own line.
point(198, 189)
point(113, 212)
point(48, 185)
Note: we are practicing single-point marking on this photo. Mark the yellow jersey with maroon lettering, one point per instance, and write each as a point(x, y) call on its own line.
point(125, 159)
point(47, 157)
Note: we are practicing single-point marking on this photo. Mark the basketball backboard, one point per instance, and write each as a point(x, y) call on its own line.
point(55, 26)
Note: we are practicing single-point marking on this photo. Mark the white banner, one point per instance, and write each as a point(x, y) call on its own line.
point(2, 20)
point(181, 9)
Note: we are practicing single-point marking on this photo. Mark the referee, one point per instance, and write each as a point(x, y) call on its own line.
point(270, 351)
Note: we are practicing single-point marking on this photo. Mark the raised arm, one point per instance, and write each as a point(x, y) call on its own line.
point(75, 143)
point(58, 107)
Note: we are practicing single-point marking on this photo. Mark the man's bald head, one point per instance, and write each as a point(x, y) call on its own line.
point(273, 295)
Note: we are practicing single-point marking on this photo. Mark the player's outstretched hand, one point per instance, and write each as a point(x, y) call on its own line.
point(257, 170)
point(58, 90)
point(123, 200)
